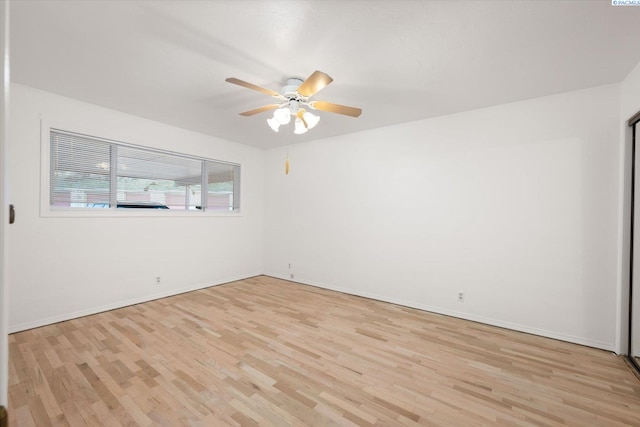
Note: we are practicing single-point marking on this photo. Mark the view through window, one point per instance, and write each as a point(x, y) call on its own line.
point(92, 173)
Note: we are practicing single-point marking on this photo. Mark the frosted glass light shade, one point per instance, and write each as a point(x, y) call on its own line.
point(311, 119)
point(282, 115)
point(273, 124)
point(300, 127)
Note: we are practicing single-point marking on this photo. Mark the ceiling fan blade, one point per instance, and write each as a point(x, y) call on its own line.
point(336, 108)
point(260, 110)
point(252, 86)
point(314, 83)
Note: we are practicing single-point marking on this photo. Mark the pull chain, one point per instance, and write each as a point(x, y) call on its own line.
point(286, 163)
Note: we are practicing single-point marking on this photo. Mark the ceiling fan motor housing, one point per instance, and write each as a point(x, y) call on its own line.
point(290, 90)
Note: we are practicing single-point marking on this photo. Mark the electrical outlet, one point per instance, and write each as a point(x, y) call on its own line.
point(158, 280)
point(460, 296)
point(291, 276)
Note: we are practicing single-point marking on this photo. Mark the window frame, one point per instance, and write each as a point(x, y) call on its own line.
point(46, 210)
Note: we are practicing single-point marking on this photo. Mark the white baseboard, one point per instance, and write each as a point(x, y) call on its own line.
point(384, 298)
point(99, 309)
point(458, 314)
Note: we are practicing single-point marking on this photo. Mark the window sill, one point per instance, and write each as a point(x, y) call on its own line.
point(133, 213)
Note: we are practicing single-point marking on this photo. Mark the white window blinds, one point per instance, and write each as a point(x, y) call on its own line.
point(80, 171)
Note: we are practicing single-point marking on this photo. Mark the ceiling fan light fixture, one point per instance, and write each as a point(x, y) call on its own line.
point(273, 124)
point(294, 107)
point(311, 119)
point(282, 115)
point(300, 127)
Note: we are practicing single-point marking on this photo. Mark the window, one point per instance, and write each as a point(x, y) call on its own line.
point(93, 173)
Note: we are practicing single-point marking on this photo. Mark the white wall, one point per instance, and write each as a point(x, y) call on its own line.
point(631, 93)
point(516, 205)
point(64, 267)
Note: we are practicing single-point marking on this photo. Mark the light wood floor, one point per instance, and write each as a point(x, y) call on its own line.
point(270, 352)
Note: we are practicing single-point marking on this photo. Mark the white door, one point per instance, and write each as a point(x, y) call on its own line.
point(4, 205)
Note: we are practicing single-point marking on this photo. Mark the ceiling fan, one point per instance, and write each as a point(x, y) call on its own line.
point(293, 99)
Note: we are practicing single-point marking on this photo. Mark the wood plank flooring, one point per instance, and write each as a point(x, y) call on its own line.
point(264, 351)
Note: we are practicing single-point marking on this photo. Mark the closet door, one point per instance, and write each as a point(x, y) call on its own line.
point(634, 335)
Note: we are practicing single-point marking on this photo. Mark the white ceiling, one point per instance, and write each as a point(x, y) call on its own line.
point(397, 60)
